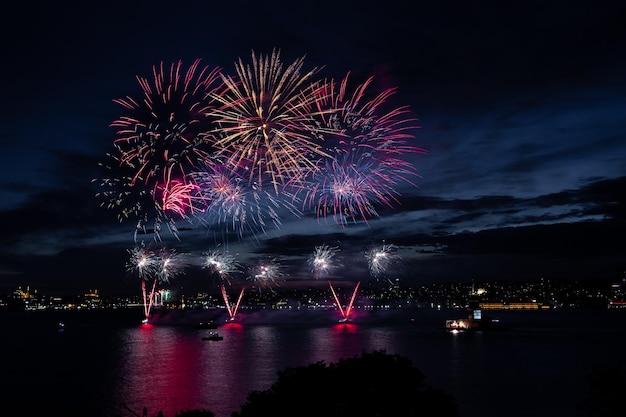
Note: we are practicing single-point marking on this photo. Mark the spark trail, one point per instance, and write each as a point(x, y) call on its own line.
point(232, 311)
point(345, 313)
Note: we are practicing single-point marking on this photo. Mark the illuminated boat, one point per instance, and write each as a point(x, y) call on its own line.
point(213, 336)
point(475, 320)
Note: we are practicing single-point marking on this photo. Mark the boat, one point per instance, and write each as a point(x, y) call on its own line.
point(205, 325)
point(475, 320)
point(213, 336)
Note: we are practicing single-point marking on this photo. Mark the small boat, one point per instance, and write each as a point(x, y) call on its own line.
point(205, 325)
point(213, 336)
point(475, 320)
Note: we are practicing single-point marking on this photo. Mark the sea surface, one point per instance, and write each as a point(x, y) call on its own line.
point(108, 364)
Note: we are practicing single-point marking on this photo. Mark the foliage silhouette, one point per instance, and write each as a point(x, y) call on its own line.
point(605, 397)
point(195, 413)
point(374, 384)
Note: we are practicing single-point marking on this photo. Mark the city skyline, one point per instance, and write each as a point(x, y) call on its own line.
point(519, 111)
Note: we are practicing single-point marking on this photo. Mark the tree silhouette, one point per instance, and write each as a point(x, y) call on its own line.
point(606, 391)
point(374, 384)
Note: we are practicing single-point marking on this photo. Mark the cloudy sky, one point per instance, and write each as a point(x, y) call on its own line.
point(521, 109)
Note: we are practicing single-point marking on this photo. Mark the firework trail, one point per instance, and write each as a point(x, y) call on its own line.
point(380, 258)
point(345, 313)
point(366, 149)
point(221, 264)
point(233, 204)
point(232, 310)
point(266, 274)
point(322, 261)
point(263, 117)
point(160, 140)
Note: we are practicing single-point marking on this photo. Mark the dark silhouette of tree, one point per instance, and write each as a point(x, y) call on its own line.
point(195, 413)
point(374, 384)
point(606, 392)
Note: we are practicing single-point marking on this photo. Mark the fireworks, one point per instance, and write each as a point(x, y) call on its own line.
point(232, 310)
point(263, 119)
point(222, 264)
point(159, 266)
point(158, 143)
point(170, 264)
point(239, 152)
point(365, 151)
point(348, 190)
point(142, 261)
point(345, 313)
point(322, 260)
point(180, 198)
point(235, 205)
point(166, 131)
point(380, 258)
point(266, 274)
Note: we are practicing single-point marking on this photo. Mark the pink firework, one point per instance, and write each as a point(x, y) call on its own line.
point(233, 204)
point(368, 148)
point(159, 141)
point(180, 198)
point(349, 190)
point(263, 117)
point(164, 134)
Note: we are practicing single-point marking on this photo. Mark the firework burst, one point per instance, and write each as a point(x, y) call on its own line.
point(232, 204)
point(266, 274)
point(322, 260)
point(263, 118)
point(367, 148)
point(165, 133)
point(222, 264)
point(349, 190)
point(159, 142)
point(379, 258)
point(143, 262)
point(170, 264)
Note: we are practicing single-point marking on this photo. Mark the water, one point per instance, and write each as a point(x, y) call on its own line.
point(106, 364)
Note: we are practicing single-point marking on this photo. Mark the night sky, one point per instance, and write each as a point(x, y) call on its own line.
point(521, 110)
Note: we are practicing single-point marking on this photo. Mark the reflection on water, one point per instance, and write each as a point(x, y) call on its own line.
point(172, 369)
point(108, 364)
